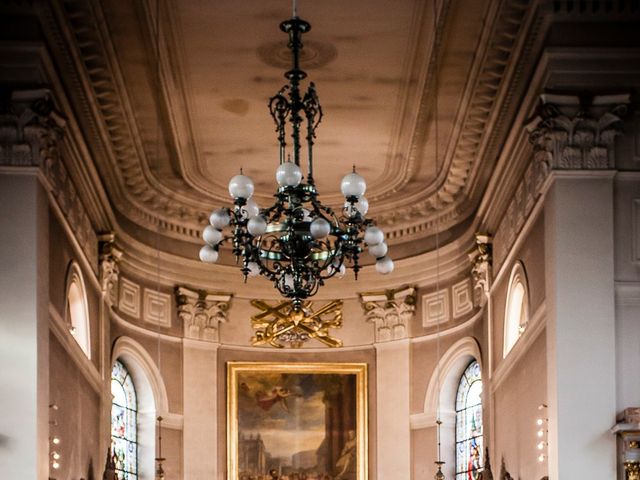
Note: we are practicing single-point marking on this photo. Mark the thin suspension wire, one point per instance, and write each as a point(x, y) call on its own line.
point(295, 8)
point(158, 128)
point(437, 223)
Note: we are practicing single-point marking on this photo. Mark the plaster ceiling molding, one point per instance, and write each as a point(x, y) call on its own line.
point(182, 216)
point(129, 183)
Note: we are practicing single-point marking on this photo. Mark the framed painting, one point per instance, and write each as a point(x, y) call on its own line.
point(296, 421)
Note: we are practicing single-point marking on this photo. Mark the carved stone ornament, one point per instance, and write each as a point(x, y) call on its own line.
point(390, 311)
point(29, 128)
point(569, 134)
point(201, 313)
point(280, 325)
point(31, 133)
point(481, 259)
point(109, 270)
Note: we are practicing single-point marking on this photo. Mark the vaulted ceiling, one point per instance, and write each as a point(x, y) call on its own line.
point(181, 123)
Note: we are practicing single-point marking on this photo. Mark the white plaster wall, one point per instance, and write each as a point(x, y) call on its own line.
point(23, 328)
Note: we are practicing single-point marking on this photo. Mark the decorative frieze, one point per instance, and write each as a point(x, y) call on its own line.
point(435, 308)
point(201, 313)
point(390, 311)
point(481, 261)
point(129, 298)
point(461, 298)
point(156, 307)
point(109, 269)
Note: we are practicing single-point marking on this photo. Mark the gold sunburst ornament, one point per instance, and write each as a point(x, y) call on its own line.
point(285, 325)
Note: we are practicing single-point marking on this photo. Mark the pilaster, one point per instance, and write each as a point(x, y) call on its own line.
point(574, 140)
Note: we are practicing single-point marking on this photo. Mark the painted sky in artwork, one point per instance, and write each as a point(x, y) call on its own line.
point(287, 410)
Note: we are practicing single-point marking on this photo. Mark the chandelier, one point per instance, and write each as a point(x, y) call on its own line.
point(297, 243)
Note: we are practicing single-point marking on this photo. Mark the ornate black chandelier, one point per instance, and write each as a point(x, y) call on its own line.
point(298, 242)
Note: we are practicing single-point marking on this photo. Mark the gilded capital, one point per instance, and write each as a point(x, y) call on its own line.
point(201, 312)
point(390, 311)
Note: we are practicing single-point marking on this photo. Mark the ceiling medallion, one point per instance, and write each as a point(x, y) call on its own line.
point(297, 243)
point(282, 324)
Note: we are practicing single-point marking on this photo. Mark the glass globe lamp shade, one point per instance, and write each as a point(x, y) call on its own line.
point(353, 185)
point(257, 225)
point(251, 208)
point(342, 271)
point(241, 186)
point(320, 228)
point(288, 174)
point(384, 265)
point(362, 205)
point(219, 218)
point(208, 254)
point(379, 250)
point(373, 236)
point(211, 235)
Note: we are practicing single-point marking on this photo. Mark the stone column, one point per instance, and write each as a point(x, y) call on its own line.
point(390, 312)
point(201, 314)
point(27, 134)
point(576, 144)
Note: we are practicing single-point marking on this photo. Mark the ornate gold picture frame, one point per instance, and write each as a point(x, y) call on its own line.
point(297, 421)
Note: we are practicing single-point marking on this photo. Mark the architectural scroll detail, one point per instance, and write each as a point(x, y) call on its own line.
point(109, 269)
point(390, 311)
point(481, 261)
point(201, 312)
point(567, 134)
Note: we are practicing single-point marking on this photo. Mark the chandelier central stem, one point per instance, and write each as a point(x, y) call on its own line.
point(297, 243)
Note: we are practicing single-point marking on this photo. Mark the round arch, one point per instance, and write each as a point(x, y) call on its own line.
point(151, 394)
point(447, 375)
point(516, 309)
point(77, 309)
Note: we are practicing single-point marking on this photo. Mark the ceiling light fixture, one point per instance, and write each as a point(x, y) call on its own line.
point(298, 242)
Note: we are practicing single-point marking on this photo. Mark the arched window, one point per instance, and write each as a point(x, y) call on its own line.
point(77, 311)
point(124, 423)
point(516, 313)
point(469, 444)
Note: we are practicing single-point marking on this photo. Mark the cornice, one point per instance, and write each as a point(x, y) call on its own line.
point(143, 261)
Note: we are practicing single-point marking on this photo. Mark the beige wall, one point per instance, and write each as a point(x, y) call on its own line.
point(77, 420)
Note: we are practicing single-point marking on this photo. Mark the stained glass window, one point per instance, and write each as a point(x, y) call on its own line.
point(469, 445)
point(124, 423)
